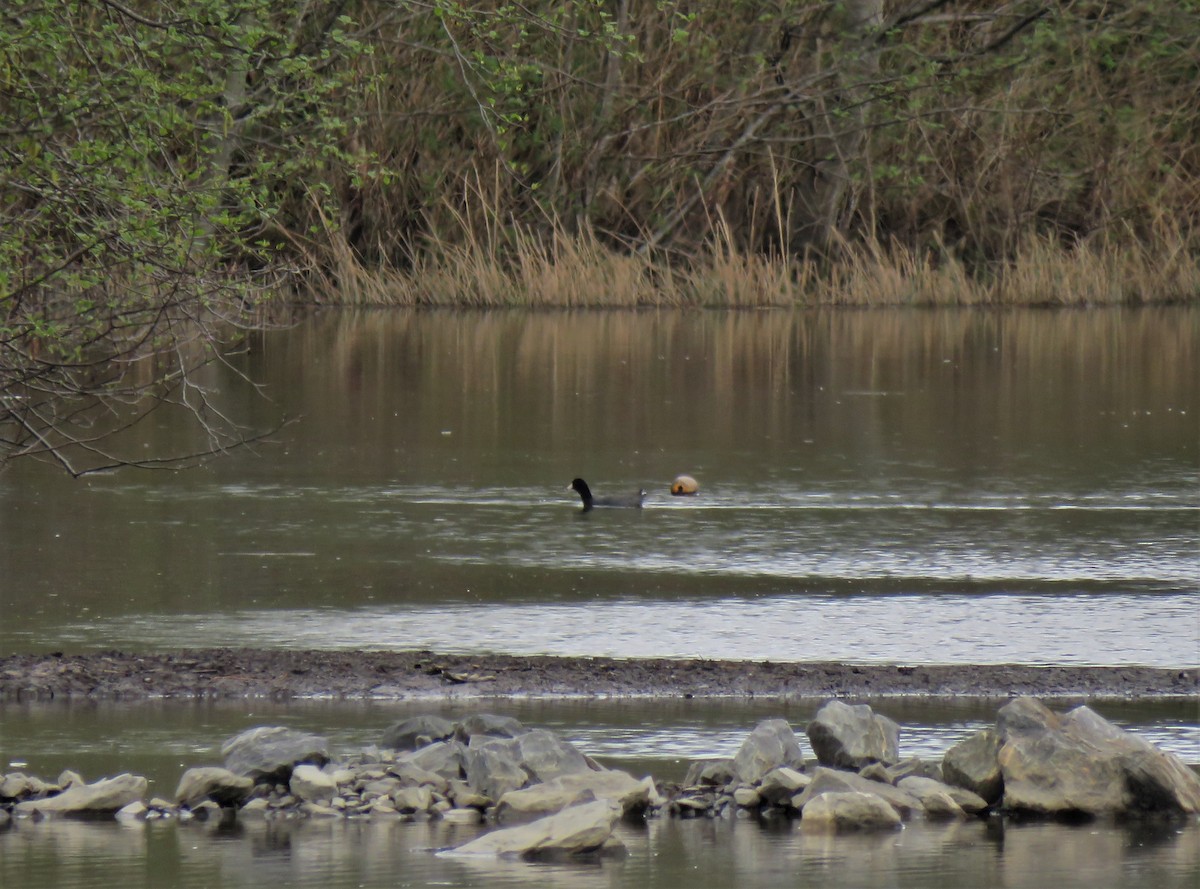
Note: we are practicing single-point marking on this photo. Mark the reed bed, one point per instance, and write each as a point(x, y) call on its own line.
point(562, 270)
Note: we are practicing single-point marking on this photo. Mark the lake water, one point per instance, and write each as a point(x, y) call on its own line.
point(951, 487)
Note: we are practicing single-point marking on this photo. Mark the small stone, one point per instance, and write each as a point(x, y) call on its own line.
point(311, 784)
point(132, 812)
point(257, 808)
point(747, 797)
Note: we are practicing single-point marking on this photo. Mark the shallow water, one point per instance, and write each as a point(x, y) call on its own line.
point(876, 486)
point(161, 739)
point(665, 855)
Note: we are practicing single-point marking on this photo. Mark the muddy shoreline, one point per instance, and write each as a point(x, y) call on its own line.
point(283, 675)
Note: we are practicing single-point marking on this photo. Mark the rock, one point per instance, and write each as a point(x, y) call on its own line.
point(311, 784)
point(747, 797)
point(839, 811)
point(446, 759)
point(876, 771)
point(409, 774)
point(913, 767)
point(221, 786)
point(972, 764)
point(498, 765)
point(104, 796)
point(317, 810)
point(135, 811)
point(546, 756)
point(17, 785)
point(833, 781)
point(925, 788)
point(489, 725)
point(494, 767)
point(417, 732)
point(466, 798)
point(632, 795)
point(205, 810)
point(1079, 763)
point(772, 744)
point(383, 808)
point(850, 737)
point(255, 808)
point(711, 773)
point(67, 778)
point(462, 816)
point(268, 753)
point(575, 831)
point(935, 798)
point(778, 786)
point(413, 799)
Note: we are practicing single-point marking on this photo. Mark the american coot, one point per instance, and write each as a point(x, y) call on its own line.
point(633, 501)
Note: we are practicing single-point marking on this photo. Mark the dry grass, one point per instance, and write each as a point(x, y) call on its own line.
point(518, 267)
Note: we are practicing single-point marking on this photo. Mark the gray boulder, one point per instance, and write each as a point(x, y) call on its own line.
point(417, 732)
point(834, 781)
point(545, 755)
point(413, 799)
point(489, 725)
point(850, 737)
point(18, 785)
point(840, 811)
point(1079, 763)
point(221, 786)
point(772, 744)
point(411, 774)
point(927, 790)
point(496, 766)
point(577, 831)
point(445, 758)
point(971, 764)
point(912, 766)
point(269, 753)
point(632, 795)
point(710, 773)
point(779, 785)
point(105, 796)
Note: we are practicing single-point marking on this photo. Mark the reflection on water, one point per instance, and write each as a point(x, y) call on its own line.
point(884, 485)
point(667, 854)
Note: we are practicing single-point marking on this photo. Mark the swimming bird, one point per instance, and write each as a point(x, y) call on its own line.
point(633, 501)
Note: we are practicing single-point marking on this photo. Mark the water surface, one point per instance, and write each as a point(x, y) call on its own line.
point(953, 487)
point(876, 485)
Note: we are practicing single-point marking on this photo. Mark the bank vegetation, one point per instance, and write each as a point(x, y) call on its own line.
point(170, 171)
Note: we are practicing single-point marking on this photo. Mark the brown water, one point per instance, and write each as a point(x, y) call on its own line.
point(878, 485)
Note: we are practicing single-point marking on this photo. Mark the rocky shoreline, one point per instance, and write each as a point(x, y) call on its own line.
point(536, 795)
point(287, 674)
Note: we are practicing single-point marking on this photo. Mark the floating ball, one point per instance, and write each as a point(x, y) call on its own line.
point(684, 485)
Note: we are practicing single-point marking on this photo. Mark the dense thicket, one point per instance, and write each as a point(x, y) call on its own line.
point(957, 127)
point(166, 164)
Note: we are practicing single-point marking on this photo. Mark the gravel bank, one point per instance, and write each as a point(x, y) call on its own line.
point(237, 673)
